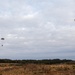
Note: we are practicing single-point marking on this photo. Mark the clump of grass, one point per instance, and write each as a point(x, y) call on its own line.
point(73, 66)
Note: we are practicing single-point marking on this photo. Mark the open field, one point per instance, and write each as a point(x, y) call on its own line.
point(36, 69)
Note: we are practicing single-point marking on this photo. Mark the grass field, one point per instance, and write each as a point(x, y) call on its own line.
point(36, 69)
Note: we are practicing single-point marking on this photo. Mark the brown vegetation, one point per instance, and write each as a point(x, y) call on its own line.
point(36, 69)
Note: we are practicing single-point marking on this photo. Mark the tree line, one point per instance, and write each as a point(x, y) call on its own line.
point(44, 61)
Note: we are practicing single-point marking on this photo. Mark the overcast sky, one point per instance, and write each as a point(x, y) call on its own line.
point(37, 29)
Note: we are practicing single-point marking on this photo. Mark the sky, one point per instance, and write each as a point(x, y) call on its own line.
point(37, 29)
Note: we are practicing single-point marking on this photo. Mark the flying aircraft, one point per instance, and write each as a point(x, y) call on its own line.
point(2, 40)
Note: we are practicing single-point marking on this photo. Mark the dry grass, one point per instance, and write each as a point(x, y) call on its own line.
point(36, 69)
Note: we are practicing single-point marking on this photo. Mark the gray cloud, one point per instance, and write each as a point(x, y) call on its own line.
point(37, 29)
